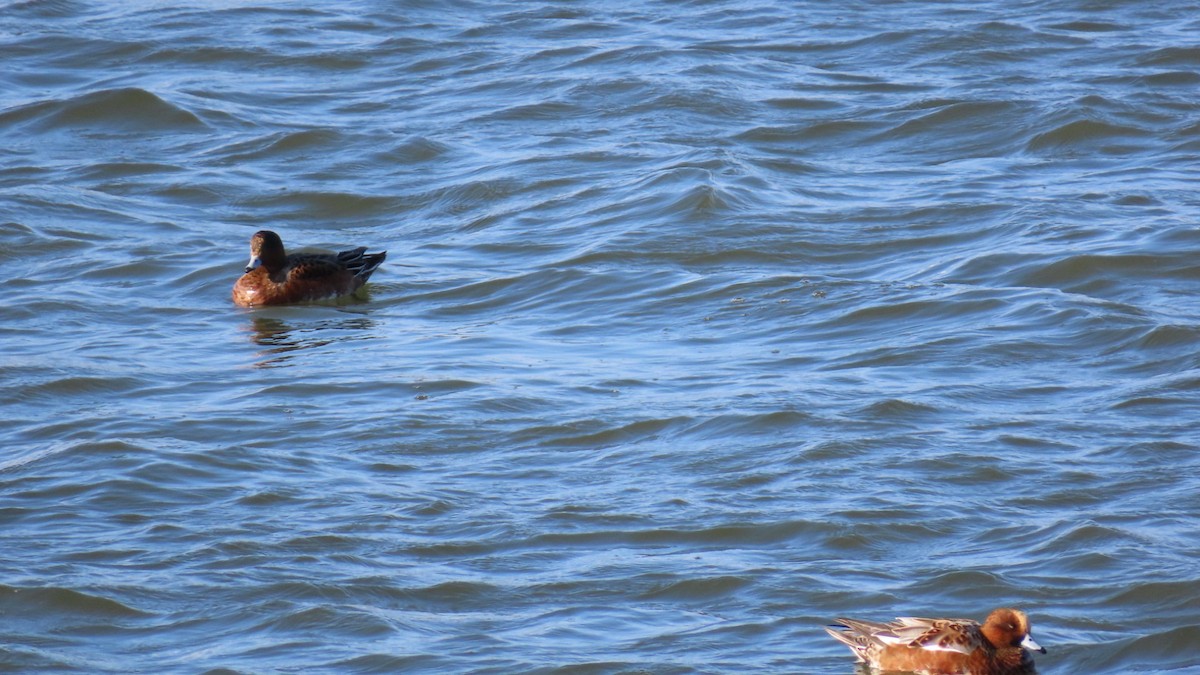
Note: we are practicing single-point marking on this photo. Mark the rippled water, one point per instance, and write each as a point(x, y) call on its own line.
point(721, 320)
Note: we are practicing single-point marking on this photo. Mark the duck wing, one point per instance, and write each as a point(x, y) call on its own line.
point(939, 635)
point(314, 266)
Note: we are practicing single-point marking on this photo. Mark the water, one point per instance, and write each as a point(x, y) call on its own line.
point(722, 319)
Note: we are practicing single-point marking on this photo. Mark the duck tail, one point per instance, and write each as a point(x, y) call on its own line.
point(360, 262)
point(846, 635)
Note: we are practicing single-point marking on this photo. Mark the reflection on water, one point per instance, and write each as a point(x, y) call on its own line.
point(280, 337)
point(728, 322)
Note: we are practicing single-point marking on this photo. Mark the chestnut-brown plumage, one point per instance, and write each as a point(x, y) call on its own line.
point(1001, 645)
point(275, 278)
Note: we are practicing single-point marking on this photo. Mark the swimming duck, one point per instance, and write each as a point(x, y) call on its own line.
point(275, 278)
point(1001, 645)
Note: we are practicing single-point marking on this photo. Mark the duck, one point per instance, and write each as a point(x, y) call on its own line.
point(275, 278)
point(1001, 645)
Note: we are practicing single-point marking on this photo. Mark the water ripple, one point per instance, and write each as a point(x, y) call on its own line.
point(701, 325)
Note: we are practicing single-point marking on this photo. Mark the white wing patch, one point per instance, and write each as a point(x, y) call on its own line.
point(935, 635)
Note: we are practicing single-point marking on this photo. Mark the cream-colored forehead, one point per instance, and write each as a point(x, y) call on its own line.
point(1015, 616)
point(1021, 620)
